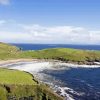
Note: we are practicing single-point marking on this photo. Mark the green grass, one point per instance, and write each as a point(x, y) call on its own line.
point(19, 84)
point(15, 77)
point(8, 51)
point(16, 83)
point(66, 54)
point(11, 52)
point(38, 92)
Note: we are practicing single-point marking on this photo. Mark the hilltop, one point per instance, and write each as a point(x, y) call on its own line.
point(8, 51)
point(65, 54)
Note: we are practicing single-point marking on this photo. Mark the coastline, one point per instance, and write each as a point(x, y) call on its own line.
point(35, 78)
point(14, 61)
point(3, 62)
point(36, 65)
point(24, 60)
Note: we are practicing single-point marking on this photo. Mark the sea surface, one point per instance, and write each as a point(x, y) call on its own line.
point(74, 83)
point(45, 46)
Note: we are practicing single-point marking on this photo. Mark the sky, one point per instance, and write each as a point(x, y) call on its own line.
point(50, 21)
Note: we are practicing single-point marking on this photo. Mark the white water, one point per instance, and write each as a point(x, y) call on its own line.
point(69, 65)
point(39, 66)
point(32, 67)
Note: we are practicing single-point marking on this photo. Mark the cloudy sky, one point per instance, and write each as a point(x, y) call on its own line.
point(50, 21)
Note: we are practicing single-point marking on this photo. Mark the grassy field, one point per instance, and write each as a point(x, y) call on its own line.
point(15, 77)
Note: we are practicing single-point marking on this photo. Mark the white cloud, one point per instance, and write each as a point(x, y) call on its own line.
point(14, 37)
point(58, 34)
point(4, 2)
point(19, 33)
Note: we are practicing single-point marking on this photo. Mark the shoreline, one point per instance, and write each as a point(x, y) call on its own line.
point(40, 64)
point(3, 62)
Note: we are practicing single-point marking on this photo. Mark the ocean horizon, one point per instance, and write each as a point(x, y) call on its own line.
point(46, 46)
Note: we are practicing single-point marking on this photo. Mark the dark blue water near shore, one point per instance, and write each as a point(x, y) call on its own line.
point(45, 46)
point(84, 81)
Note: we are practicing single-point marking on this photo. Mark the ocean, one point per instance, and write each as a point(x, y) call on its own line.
point(45, 46)
point(78, 83)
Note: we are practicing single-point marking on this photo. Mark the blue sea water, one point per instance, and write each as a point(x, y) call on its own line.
point(84, 82)
point(45, 46)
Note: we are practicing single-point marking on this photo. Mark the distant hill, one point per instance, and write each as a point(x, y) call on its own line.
point(65, 54)
point(7, 48)
point(8, 51)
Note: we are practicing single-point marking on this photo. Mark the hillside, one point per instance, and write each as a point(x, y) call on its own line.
point(8, 51)
point(65, 54)
point(17, 85)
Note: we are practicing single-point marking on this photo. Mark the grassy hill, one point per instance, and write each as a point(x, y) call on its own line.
point(17, 85)
point(64, 54)
point(8, 51)
point(15, 77)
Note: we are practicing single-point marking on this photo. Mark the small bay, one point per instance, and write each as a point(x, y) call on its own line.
point(74, 83)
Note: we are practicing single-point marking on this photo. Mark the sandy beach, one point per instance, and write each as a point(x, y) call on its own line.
point(4, 62)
